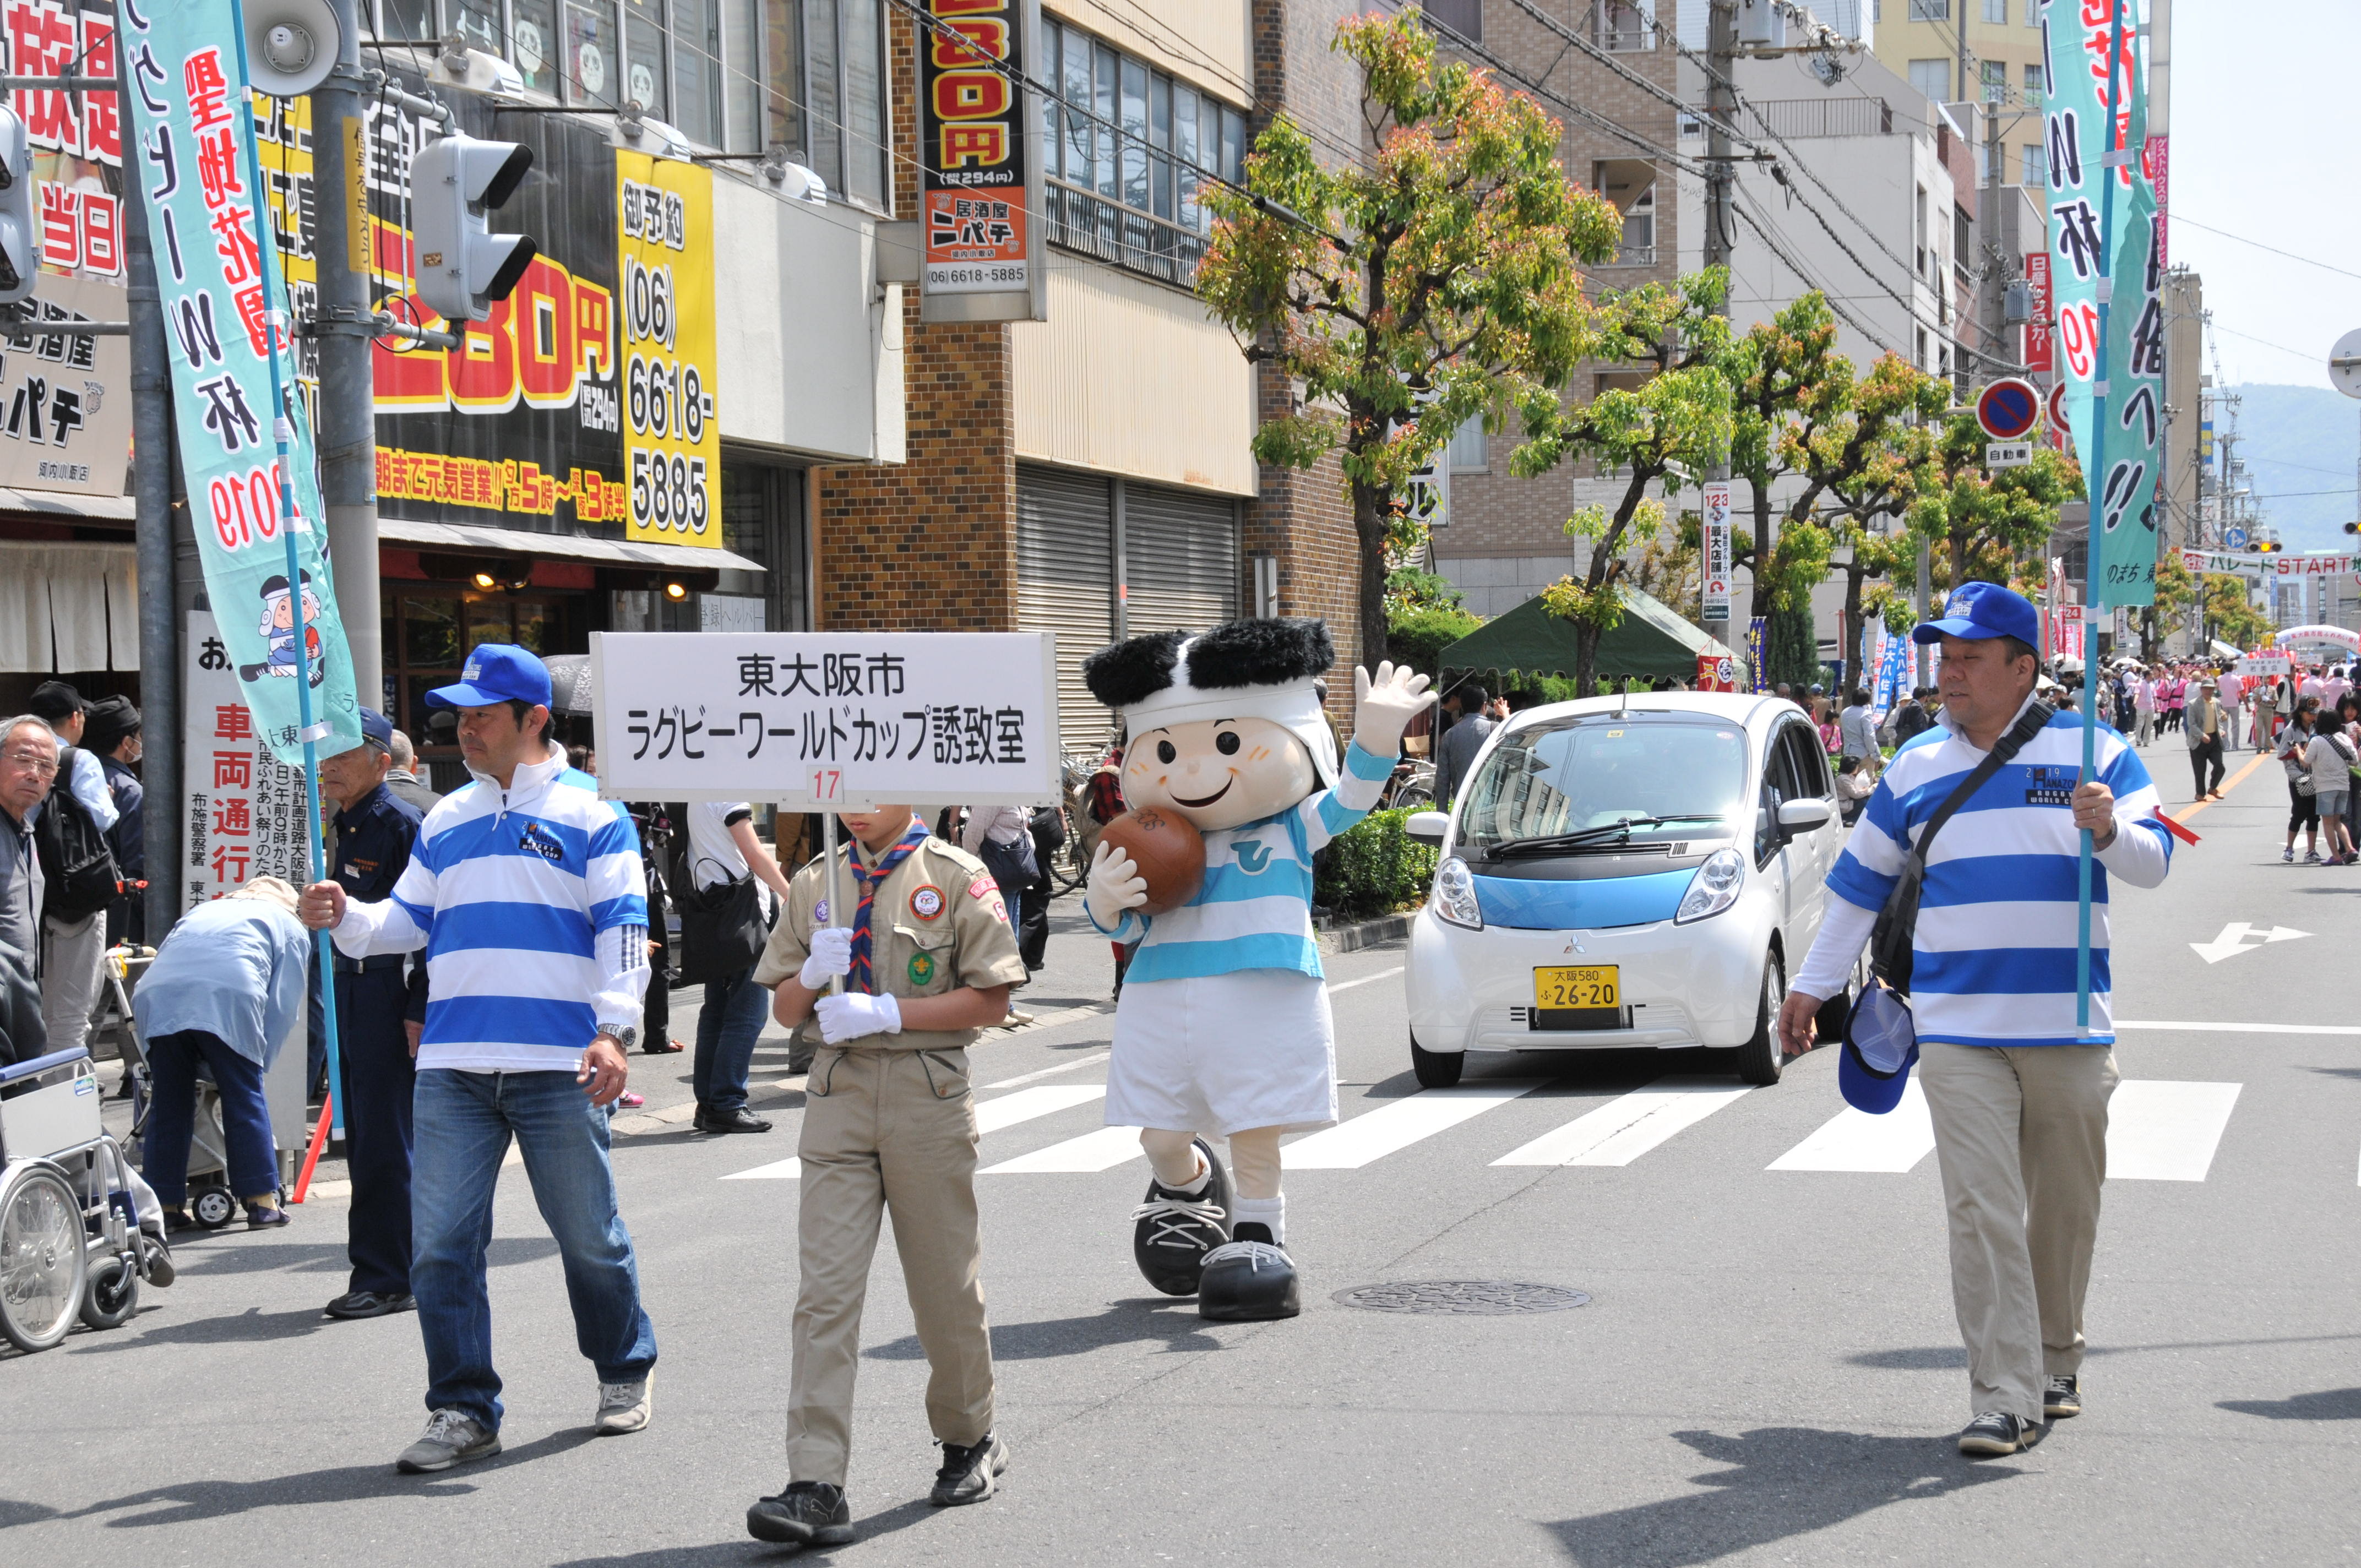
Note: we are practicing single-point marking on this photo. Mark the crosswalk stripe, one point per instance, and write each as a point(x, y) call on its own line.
point(1855, 1140)
point(1102, 1150)
point(1396, 1125)
point(1623, 1130)
point(2161, 1130)
point(991, 1117)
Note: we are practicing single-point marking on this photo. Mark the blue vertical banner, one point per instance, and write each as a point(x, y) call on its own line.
point(1892, 667)
point(1758, 638)
point(225, 316)
point(2107, 274)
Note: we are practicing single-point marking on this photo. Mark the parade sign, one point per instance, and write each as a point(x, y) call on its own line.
point(2107, 278)
point(980, 193)
point(672, 439)
point(1716, 550)
point(241, 808)
point(827, 720)
point(2221, 561)
point(2334, 566)
point(225, 311)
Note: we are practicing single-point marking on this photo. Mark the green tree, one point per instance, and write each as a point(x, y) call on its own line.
point(2230, 611)
point(1437, 283)
point(1417, 635)
point(1989, 527)
point(1660, 433)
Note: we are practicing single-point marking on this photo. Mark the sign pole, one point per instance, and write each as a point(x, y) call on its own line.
point(835, 886)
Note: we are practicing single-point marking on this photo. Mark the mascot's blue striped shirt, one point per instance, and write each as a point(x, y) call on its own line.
point(531, 905)
point(1254, 908)
point(1993, 961)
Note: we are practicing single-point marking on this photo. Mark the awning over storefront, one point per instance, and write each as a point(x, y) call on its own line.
point(559, 546)
point(57, 504)
point(1650, 641)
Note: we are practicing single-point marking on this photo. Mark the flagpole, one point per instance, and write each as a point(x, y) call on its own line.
point(2114, 159)
point(282, 432)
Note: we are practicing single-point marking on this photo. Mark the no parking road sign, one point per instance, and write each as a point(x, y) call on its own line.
point(2008, 409)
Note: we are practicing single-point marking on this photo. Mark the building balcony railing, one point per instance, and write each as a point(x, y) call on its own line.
point(1136, 241)
point(1633, 255)
point(1829, 117)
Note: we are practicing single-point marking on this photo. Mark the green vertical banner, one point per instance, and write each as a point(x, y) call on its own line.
point(225, 315)
point(2104, 252)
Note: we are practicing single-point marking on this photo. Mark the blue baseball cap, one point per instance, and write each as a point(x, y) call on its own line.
point(377, 730)
point(1977, 611)
point(1881, 1047)
point(496, 672)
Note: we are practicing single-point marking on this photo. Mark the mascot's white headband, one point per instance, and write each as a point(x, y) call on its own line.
point(1293, 706)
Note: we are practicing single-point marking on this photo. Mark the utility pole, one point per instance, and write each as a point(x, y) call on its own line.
point(160, 613)
point(347, 410)
point(1721, 108)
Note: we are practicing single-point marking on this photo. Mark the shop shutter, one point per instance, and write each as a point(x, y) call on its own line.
point(1181, 560)
point(1065, 584)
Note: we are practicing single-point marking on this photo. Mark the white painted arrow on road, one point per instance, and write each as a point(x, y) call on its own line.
point(2237, 937)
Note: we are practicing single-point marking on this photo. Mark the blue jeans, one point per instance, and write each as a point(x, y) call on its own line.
point(726, 1027)
point(246, 1119)
point(462, 1123)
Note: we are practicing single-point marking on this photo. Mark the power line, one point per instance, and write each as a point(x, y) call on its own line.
point(2258, 245)
point(2267, 342)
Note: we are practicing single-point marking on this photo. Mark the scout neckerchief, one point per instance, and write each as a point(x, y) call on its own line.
point(871, 879)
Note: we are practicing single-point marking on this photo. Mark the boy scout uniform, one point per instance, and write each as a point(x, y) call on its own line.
point(889, 1120)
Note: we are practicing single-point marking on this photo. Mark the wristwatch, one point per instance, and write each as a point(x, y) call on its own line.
point(624, 1034)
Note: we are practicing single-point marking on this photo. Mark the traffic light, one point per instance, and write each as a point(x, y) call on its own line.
point(454, 183)
point(20, 233)
point(2353, 528)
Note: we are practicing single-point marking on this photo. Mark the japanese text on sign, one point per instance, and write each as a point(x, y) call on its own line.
point(1716, 550)
point(971, 58)
point(672, 440)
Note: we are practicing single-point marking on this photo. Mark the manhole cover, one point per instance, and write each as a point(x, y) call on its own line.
point(1466, 1297)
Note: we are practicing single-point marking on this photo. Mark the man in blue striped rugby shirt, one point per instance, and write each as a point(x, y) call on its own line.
point(526, 891)
point(2017, 1091)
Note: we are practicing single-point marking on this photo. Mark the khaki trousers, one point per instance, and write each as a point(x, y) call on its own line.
point(886, 1129)
point(73, 969)
point(2021, 1133)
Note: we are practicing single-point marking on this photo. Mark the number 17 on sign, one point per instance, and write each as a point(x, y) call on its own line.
point(826, 786)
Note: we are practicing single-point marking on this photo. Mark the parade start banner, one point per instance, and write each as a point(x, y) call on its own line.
point(226, 314)
point(2105, 263)
point(829, 721)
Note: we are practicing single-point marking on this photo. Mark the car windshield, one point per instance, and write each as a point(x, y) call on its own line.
point(1595, 770)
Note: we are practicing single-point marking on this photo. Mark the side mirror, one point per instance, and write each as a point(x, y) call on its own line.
point(1428, 826)
point(1797, 817)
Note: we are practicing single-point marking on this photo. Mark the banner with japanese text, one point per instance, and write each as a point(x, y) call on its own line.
point(672, 437)
point(812, 719)
point(2105, 242)
point(978, 175)
point(241, 808)
point(224, 311)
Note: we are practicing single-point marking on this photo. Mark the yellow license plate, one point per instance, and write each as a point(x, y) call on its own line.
point(1583, 985)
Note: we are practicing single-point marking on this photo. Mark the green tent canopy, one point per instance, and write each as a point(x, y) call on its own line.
point(1649, 642)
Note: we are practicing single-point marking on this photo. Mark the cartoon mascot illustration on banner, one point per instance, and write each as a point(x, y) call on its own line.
point(279, 631)
point(1223, 1027)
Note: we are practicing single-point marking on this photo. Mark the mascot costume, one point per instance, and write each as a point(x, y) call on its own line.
point(1223, 1027)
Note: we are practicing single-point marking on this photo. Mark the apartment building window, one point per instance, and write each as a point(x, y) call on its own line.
point(1997, 11)
point(1918, 229)
point(1932, 78)
point(1130, 153)
point(1464, 18)
point(1622, 26)
point(1931, 10)
point(736, 75)
point(2036, 167)
point(1995, 79)
point(1922, 348)
point(2033, 87)
point(1468, 454)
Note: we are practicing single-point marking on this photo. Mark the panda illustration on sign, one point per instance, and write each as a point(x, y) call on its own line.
point(1223, 1028)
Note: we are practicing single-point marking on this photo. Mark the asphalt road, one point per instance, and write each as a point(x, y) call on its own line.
point(1766, 1369)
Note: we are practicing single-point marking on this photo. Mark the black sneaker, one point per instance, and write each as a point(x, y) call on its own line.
point(1173, 1230)
point(1997, 1433)
point(2061, 1397)
point(355, 1304)
point(738, 1120)
point(809, 1513)
point(1250, 1279)
point(969, 1475)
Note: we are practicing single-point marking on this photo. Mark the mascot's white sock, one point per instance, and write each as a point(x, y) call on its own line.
point(1270, 1211)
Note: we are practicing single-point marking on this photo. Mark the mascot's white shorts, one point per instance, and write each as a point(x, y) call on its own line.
point(1224, 1054)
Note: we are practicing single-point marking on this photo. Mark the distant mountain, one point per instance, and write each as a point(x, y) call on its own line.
point(2297, 440)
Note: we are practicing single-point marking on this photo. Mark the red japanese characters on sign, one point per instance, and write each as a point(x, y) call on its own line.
point(974, 167)
point(2040, 330)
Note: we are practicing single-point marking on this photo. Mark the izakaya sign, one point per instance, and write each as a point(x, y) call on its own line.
point(2107, 274)
point(814, 719)
point(226, 311)
point(980, 192)
point(672, 442)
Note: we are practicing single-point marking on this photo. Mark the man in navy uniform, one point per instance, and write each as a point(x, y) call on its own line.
point(374, 833)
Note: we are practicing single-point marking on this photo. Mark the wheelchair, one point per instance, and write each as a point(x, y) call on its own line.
point(69, 1227)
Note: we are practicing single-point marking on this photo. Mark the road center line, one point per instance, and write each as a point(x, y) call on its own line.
point(2244, 1029)
point(1366, 979)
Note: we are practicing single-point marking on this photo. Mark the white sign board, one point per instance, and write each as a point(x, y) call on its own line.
point(1716, 550)
point(835, 718)
point(2008, 453)
point(2330, 566)
point(241, 810)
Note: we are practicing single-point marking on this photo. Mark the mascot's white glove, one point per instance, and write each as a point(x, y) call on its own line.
point(852, 1015)
point(1114, 885)
point(831, 955)
point(1383, 707)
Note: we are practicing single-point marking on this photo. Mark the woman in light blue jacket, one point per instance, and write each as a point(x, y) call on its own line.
point(223, 990)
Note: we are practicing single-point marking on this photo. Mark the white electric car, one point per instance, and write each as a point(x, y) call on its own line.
point(1621, 874)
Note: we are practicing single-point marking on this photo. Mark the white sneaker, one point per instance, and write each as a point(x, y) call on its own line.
point(2287, 854)
point(625, 1406)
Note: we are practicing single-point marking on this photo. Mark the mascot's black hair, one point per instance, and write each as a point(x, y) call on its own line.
point(1234, 654)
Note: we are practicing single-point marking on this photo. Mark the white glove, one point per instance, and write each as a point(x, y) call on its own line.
point(1383, 708)
point(831, 955)
point(1114, 885)
point(853, 1014)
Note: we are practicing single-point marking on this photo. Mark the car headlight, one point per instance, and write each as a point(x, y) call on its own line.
point(1714, 888)
point(1455, 894)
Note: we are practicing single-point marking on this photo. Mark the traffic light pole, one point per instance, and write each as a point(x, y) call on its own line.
point(347, 411)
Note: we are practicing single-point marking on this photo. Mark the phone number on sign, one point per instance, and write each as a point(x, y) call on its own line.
point(1011, 276)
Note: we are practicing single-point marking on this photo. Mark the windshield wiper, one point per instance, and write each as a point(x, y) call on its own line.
point(1591, 834)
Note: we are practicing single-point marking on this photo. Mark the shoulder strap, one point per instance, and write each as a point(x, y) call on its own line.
point(2033, 722)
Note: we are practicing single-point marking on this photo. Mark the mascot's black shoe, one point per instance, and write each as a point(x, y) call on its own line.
point(1175, 1229)
point(1249, 1279)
